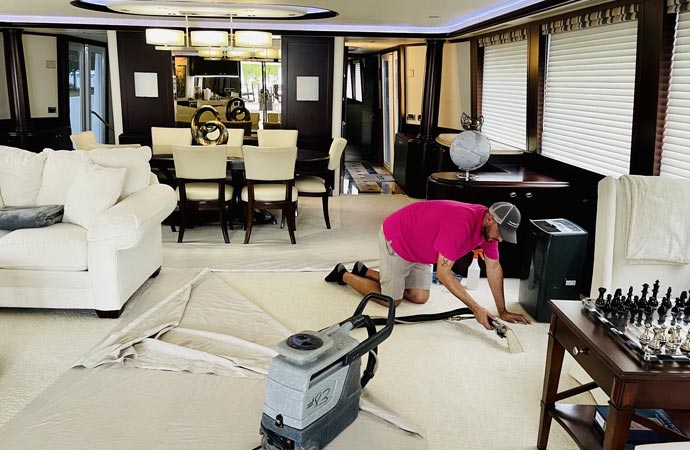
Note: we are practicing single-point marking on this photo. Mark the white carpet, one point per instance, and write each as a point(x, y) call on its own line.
point(456, 381)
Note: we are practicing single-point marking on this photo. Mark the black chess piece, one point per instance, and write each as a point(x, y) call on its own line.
point(640, 302)
point(645, 289)
point(607, 303)
point(600, 300)
point(666, 301)
point(616, 302)
point(628, 302)
point(678, 306)
point(652, 303)
point(655, 289)
point(686, 310)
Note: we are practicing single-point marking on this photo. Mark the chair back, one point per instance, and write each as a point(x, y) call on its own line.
point(200, 162)
point(271, 126)
point(255, 120)
point(83, 140)
point(163, 139)
point(269, 163)
point(277, 138)
point(334, 153)
point(245, 125)
point(273, 117)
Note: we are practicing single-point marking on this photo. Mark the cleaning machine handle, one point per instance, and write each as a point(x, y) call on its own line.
point(374, 340)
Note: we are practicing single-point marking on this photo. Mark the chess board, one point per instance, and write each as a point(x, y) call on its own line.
point(656, 330)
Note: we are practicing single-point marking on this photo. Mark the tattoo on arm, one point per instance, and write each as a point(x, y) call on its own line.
point(445, 262)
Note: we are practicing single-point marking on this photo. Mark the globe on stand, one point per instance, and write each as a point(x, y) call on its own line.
point(470, 150)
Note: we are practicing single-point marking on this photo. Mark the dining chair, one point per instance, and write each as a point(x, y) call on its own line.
point(321, 185)
point(271, 125)
point(201, 182)
point(163, 139)
point(270, 175)
point(245, 125)
point(255, 120)
point(273, 117)
point(235, 141)
point(83, 140)
point(277, 138)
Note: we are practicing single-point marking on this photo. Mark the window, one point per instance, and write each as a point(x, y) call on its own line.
point(675, 150)
point(504, 95)
point(354, 80)
point(588, 97)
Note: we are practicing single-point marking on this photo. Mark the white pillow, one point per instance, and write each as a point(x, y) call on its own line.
point(135, 160)
point(20, 175)
point(59, 172)
point(95, 190)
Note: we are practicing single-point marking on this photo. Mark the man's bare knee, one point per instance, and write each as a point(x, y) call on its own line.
point(417, 296)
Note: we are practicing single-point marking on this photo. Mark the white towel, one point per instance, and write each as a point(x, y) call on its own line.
point(658, 228)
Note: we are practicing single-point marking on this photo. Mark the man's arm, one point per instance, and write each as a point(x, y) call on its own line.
point(494, 274)
point(447, 277)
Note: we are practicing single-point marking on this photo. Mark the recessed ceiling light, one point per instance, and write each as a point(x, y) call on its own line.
point(434, 17)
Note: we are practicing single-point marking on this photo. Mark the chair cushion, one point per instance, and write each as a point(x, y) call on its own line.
point(62, 246)
point(17, 217)
point(20, 175)
point(312, 185)
point(95, 190)
point(205, 191)
point(268, 193)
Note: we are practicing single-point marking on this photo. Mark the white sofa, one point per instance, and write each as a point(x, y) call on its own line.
point(612, 269)
point(109, 241)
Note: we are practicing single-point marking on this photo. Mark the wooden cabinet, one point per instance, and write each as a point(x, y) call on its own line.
point(537, 196)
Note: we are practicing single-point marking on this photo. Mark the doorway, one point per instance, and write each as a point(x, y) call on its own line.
point(88, 89)
point(389, 106)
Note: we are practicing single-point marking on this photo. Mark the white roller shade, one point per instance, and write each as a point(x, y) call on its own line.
point(675, 151)
point(588, 97)
point(504, 95)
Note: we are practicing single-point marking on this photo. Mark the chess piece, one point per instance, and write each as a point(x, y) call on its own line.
point(666, 302)
point(616, 302)
point(607, 303)
point(655, 289)
point(645, 289)
point(634, 304)
point(600, 300)
point(656, 343)
point(674, 339)
point(685, 346)
point(652, 304)
point(646, 336)
point(678, 306)
point(628, 302)
point(662, 335)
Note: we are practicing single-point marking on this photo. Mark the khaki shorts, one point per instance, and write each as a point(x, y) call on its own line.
point(398, 274)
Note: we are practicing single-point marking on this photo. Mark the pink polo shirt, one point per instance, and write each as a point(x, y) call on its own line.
point(420, 231)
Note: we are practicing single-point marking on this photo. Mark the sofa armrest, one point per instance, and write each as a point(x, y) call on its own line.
point(605, 235)
point(129, 219)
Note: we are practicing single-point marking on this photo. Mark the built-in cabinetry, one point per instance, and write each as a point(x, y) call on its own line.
point(537, 196)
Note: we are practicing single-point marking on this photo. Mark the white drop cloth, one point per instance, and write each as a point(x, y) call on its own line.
point(205, 328)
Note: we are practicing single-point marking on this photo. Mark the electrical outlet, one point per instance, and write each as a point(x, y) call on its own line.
point(419, 117)
point(52, 110)
point(410, 116)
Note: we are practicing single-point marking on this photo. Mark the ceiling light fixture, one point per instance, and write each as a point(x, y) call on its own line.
point(216, 44)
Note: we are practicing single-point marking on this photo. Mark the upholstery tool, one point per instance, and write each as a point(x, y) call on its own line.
point(313, 385)
point(459, 314)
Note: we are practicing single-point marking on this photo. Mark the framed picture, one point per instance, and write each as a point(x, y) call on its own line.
point(181, 80)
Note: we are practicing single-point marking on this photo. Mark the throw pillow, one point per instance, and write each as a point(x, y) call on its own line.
point(20, 175)
point(59, 172)
point(95, 190)
point(14, 218)
point(135, 160)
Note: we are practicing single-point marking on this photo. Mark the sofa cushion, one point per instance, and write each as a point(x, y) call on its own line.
point(17, 217)
point(62, 246)
point(20, 175)
point(95, 190)
point(135, 160)
point(60, 169)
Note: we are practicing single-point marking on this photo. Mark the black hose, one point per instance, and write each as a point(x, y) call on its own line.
point(427, 317)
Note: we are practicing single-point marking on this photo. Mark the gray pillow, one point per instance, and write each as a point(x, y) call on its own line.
point(16, 217)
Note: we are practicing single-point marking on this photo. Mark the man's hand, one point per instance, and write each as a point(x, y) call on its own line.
point(510, 317)
point(482, 316)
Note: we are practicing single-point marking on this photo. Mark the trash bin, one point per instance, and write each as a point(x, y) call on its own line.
point(557, 252)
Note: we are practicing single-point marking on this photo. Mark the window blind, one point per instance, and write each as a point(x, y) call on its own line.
point(675, 150)
point(588, 97)
point(504, 95)
point(348, 87)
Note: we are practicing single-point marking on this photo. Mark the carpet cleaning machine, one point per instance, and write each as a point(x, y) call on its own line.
point(313, 385)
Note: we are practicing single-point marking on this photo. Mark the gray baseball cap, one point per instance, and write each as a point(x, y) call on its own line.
point(507, 216)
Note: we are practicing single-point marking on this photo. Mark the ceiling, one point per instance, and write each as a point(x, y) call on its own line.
point(399, 17)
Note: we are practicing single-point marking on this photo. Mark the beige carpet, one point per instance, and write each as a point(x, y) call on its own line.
point(457, 381)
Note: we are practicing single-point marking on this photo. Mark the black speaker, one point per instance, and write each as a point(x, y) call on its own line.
point(557, 252)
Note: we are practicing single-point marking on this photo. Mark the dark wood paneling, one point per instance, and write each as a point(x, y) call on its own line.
point(535, 60)
point(308, 57)
point(139, 114)
point(432, 89)
point(649, 52)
